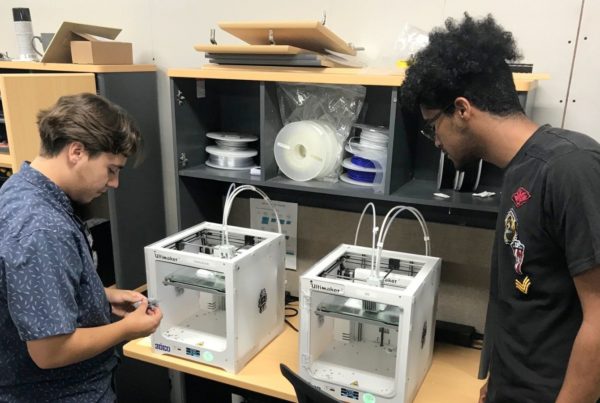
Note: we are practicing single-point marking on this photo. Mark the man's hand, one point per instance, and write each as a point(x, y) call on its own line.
point(143, 321)
point(87, 342)
point(122, 300)
point(483, 393)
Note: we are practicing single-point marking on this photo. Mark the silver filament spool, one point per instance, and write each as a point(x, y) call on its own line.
point(231, 145)
point(231, 151)
point(231, 140)
point(230, 159)
point(230, 162)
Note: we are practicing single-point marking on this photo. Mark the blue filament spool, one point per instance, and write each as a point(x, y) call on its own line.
point(366, 177)
point(362, 162)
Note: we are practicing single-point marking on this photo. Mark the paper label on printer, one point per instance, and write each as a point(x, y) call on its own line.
point(327, 287)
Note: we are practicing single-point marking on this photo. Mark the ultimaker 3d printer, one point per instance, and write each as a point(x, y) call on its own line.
point(221, 290)
point(367, 335)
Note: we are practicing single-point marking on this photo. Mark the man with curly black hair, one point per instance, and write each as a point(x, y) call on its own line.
point(542, 336)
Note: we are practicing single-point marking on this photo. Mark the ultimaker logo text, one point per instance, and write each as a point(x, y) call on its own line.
point(163, 257)
point(326, 287)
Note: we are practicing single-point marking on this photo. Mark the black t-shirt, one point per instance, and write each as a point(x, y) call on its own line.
point(548, 231)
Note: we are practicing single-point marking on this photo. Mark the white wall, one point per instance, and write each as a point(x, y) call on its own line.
point(163, 33)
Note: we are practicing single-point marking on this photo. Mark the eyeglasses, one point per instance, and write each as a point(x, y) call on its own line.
point(428, 129)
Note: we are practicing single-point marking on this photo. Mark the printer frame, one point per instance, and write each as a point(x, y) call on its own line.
point(217, 311)
point(363, 343)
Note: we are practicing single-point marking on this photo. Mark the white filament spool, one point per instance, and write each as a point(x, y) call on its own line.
point(230, 159)
point(307, 149)
point(373, 137)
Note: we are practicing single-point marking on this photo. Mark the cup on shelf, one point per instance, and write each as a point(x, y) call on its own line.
point(44, 39)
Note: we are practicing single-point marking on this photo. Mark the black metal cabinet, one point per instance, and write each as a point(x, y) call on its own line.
point(244, 99)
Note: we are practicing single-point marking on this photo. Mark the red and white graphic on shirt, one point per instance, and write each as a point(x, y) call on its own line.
point(518, 249)
point(520, 197)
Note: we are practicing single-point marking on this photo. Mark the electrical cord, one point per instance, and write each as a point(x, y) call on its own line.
point(292, 326)
point(288, 300)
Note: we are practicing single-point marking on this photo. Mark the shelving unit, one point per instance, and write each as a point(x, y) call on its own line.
point(136, 208)
point(244, 99)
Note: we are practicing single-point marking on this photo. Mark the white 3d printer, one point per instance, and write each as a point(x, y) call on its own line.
point(367, 320)
point(221, 290)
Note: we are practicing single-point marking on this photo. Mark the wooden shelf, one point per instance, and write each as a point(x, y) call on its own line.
point(366, 76)
point(331, 75)
point(78, 68)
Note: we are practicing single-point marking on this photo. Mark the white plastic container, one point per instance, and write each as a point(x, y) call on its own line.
point(24, 33)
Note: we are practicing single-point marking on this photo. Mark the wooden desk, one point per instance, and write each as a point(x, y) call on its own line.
point(452, 377)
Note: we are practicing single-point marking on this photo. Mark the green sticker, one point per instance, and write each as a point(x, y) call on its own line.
point(208, 356)
point(369, 398)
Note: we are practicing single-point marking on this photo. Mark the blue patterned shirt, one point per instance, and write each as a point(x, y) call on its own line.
point(48, 287)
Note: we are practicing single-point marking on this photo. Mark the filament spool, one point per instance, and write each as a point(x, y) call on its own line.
point(231, 151)
point(370, 147)
point(362, 162)
point(231, 140)
point(307, 149)
point(366, 177)
point(345, 177)
point(230, 159)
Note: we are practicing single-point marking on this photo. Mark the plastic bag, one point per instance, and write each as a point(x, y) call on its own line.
point(410, 40)
point(337, 105)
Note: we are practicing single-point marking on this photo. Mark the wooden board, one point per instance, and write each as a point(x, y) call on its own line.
point(251, 49)
point(311, 35)
point(23, 96)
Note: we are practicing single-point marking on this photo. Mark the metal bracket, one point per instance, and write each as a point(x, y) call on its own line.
point(305, 301)
point(180, 97)
point(183, 160)
point(305, 360)
point(357, 48)
point(271, 38)
point(212, 36)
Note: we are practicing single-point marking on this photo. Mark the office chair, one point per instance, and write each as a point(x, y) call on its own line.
point(305, 392)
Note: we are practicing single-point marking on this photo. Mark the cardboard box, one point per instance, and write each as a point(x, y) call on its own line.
point(90, 50)
point(59, 49)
